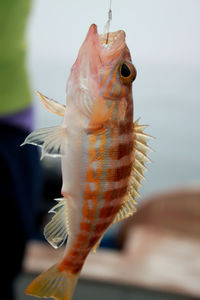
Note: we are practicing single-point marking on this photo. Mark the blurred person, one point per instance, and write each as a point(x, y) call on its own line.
point(20, 169)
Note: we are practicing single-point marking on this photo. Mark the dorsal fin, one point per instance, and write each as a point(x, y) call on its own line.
point(140, 158)
point(52, 105)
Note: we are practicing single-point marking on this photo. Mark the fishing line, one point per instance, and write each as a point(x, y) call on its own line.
point(107, 26)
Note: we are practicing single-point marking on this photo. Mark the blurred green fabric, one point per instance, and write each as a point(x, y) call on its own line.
point(14, 86)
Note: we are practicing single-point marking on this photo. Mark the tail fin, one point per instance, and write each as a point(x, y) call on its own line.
point(53, 283)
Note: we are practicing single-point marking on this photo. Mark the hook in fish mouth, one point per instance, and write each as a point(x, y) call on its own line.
point(115, 39)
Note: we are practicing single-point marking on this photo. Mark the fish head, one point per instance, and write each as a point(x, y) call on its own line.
point(103, 68)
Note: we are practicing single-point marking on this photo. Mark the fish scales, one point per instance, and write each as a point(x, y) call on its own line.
point(102, 157)
point(98, 205)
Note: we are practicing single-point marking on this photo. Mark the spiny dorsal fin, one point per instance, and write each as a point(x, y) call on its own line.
point(52, 105)
point(51, 140)
point(139, 159)
point(128, 208)
point(57, 229)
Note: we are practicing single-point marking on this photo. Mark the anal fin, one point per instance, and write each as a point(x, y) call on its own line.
point(57, 229)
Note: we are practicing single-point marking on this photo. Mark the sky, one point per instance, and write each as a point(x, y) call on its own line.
point(163, 38)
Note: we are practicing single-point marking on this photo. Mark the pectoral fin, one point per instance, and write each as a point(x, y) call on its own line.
point(52, 105)
point(52, 140)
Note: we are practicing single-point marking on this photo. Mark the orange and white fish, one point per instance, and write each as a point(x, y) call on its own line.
point(103, 155)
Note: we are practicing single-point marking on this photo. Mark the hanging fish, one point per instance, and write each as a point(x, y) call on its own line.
point(103, 155)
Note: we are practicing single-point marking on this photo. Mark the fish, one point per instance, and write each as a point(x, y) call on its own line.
point(103, 157)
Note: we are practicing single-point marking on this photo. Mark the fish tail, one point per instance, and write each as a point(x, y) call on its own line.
point(55, 283)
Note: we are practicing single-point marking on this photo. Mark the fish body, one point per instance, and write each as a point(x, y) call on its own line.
point(102, 157)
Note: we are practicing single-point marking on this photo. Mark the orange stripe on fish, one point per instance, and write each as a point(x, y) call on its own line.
point(117, 174)
point(124, 150)
point(125, 127)
point(109, 91)
point(115, 193)
point(105, 77)
point(88, 212)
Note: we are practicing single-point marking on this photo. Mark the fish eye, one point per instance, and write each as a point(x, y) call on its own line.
point(127, 72)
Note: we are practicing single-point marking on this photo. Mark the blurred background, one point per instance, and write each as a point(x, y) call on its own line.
point(158, 249)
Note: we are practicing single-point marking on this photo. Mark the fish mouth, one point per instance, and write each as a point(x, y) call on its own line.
point(107, 43)
point(112, 41)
